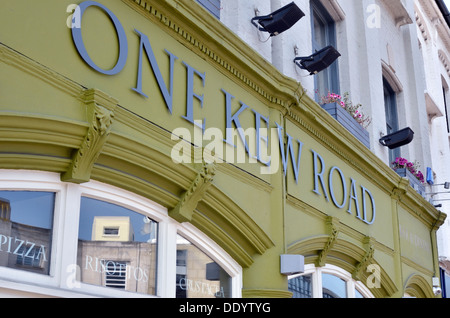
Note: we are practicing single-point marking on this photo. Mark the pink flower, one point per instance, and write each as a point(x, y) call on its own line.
point(420, 176)
point(402, 161)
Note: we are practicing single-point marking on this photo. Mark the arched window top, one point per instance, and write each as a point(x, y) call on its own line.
point(334, 9)
point(391, 78)
point(418, 287)
point(327, 282)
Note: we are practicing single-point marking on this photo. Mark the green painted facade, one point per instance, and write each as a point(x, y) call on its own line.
point(58, 114)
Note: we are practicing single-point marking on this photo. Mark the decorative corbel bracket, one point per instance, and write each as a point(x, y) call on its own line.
point(184, 210)
point(399, 191)
point(334, 229)
point(367, 258)
point(100, 113)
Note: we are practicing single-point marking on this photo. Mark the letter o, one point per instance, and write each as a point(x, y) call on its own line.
point(344, 187)
point(78, 38)
point(139, 275)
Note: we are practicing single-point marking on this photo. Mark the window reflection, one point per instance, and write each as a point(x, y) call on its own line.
point(301, 286)
point(333, 287)
point(358, 294)
point(198, 276)
point(26, 222)
point(117, 247)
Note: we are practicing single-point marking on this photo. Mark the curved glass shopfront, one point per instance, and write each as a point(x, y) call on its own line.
point(97, 240)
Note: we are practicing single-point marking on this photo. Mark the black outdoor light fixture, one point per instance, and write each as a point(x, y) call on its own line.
point(398, 139)
point(318, 61)
point(280, 20)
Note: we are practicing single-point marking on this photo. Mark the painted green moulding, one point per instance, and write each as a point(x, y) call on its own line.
point(184, 210)
point(100, 114)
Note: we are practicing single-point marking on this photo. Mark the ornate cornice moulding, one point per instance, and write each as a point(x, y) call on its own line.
point(196, 28)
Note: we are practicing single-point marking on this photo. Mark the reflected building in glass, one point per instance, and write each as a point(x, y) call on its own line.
point(22, 246)
point(113, 257)
point(198, 276)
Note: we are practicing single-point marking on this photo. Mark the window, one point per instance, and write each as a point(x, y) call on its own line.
point(116, 274)
point(26, 229)
point(198, 276)
point(98, 240)
point(326, 282)
point(333, 286)
point(212, 6)
point(445, 283)
point(114, 231)
point(117, 247)
point(301, 286)
point(447, 114)
point(390, 105)
point(324, 34)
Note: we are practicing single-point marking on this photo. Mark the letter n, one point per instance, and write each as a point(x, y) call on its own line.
point(167, 93)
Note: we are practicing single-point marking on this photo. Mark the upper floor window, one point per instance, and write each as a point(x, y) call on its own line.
point(212, 6)
point(323, 34)
point(447, 112)
point(390, 105)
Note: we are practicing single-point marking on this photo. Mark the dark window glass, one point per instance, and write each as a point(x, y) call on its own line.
point(301, 286)
point(390, 105)
point(212, 6)
point(26, 225)
point(324, 34)
point(447, 114)
point(117, 247)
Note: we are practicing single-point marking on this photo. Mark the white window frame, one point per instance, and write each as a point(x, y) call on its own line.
point(16, 181)
point(62, 278)
point(351, 284)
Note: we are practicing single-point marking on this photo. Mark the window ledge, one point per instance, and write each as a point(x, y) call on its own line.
point(399, 12)
point(433, 110)
point(334, 9)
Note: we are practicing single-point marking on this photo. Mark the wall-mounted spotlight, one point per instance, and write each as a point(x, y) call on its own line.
point(446, 185)
point(318, 61)
point(280, 20)
point(398, 139)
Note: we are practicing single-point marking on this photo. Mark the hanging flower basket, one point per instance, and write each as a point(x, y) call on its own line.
point(348, 115)
point(409, 170)
point(346, 120)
